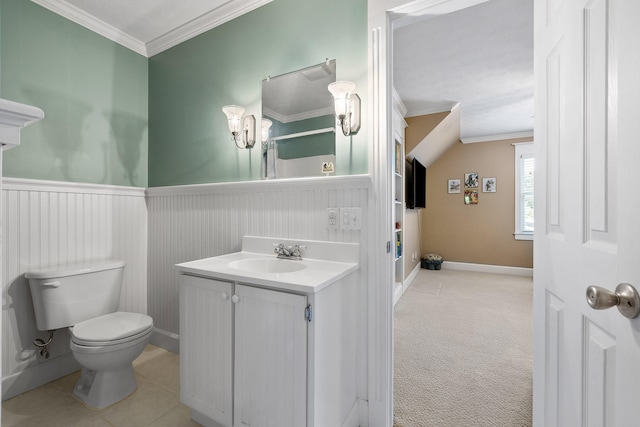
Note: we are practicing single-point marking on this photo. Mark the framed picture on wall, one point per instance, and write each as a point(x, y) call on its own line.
point(471, 180)
point(489, 185)
point(453, 186)
point(470, 197)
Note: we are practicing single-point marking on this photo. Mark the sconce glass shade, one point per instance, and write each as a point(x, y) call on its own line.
point(242, 130)
point(341, 92)
point(234, 117)
point(347, 106)
point(266, 128)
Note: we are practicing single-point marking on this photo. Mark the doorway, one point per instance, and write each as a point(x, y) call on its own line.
point(413, 103)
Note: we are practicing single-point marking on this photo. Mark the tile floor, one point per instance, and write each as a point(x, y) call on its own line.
point(156, 402)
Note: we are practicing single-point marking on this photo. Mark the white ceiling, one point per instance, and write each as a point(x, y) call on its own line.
point(480, 57)
point(150, 26)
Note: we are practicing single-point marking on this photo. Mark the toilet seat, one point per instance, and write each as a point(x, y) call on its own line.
point(111, 329)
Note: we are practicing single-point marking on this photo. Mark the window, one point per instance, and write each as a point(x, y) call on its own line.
point(525, 165)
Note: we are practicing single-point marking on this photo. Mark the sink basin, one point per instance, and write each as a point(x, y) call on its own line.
point(267, 265)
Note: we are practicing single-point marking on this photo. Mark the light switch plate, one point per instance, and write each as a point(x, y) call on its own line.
point(350, 218)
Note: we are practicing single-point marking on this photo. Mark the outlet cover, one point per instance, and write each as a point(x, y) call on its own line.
point(350, 218)
point(332, 219)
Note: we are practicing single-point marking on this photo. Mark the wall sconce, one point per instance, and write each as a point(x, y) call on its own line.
point(243, 130)
point(266, 127)
point(347, 106)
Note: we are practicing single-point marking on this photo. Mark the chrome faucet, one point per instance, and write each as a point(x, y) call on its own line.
point(288, 252)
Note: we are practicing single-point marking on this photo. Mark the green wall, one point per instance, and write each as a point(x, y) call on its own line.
point(190, 83)
point(93, 91)
point(115, 117)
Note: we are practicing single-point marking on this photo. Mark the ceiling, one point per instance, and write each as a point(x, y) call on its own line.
point(150, 26)
point(480, 57)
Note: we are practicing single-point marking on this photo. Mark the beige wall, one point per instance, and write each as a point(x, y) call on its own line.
point(482, 233)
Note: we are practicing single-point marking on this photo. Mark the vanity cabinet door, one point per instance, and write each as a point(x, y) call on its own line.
point(206, 347)
point(270, 358)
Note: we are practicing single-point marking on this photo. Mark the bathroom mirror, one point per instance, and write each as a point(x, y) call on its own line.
point(299, 109)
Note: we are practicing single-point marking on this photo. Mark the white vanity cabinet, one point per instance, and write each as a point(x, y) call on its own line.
point(268, 342)
point(206, 347)
point(270, 372)
point(247, 342)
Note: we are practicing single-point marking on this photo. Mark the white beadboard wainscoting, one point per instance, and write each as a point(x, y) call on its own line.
point(53, 223)
point(49, 223)
point(199, 221)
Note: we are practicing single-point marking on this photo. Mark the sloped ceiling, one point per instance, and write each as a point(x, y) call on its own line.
point(480, 57)
point(444, 131)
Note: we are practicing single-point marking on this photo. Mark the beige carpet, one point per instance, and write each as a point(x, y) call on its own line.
point(463, 347)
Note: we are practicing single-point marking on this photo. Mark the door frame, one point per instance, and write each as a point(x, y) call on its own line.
point(382, 14)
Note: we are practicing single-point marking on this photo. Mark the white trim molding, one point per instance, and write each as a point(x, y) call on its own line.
point(172, 37)
point(441, 108)
point(166, 340)
point(13, 117)
point(22, 184)
point(310, 183)
point(499, 137)
point(80, 17)
point(38, 375)
point(214, 18)
point(487, 268)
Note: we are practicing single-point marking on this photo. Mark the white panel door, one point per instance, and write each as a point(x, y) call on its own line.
point(206, 352)
point(270, 388)
point(587, 66)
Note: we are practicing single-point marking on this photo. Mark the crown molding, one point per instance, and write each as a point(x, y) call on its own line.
point(216, 17)
point(499, 137)
point(417, 11)
point(398, 104)
point(433, 110)
point(96, 25)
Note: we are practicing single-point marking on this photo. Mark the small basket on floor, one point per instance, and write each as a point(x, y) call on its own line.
point(431, 262)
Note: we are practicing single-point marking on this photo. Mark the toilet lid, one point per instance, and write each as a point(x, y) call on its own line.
point(112, 326)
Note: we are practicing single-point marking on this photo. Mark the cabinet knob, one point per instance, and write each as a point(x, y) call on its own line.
point(235, 299)
point(224, 296)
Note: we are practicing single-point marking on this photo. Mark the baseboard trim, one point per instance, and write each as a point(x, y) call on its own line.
point(363, 413)
point(38, 375)
point(409, 280)
point(487, 268)
point(353, 419)
point(203, 419)
point(165, 339)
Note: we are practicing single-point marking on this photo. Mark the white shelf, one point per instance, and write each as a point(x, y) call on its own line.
point(397, 169)
point(13, 117)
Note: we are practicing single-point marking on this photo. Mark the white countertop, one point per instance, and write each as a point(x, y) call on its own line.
point(314, 275)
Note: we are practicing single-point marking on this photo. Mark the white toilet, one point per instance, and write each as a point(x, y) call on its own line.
point(104, 341)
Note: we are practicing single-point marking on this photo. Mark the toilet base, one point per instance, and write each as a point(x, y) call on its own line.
point(99, 389)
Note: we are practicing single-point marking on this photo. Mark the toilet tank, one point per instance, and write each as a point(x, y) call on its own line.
point(66, 295)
